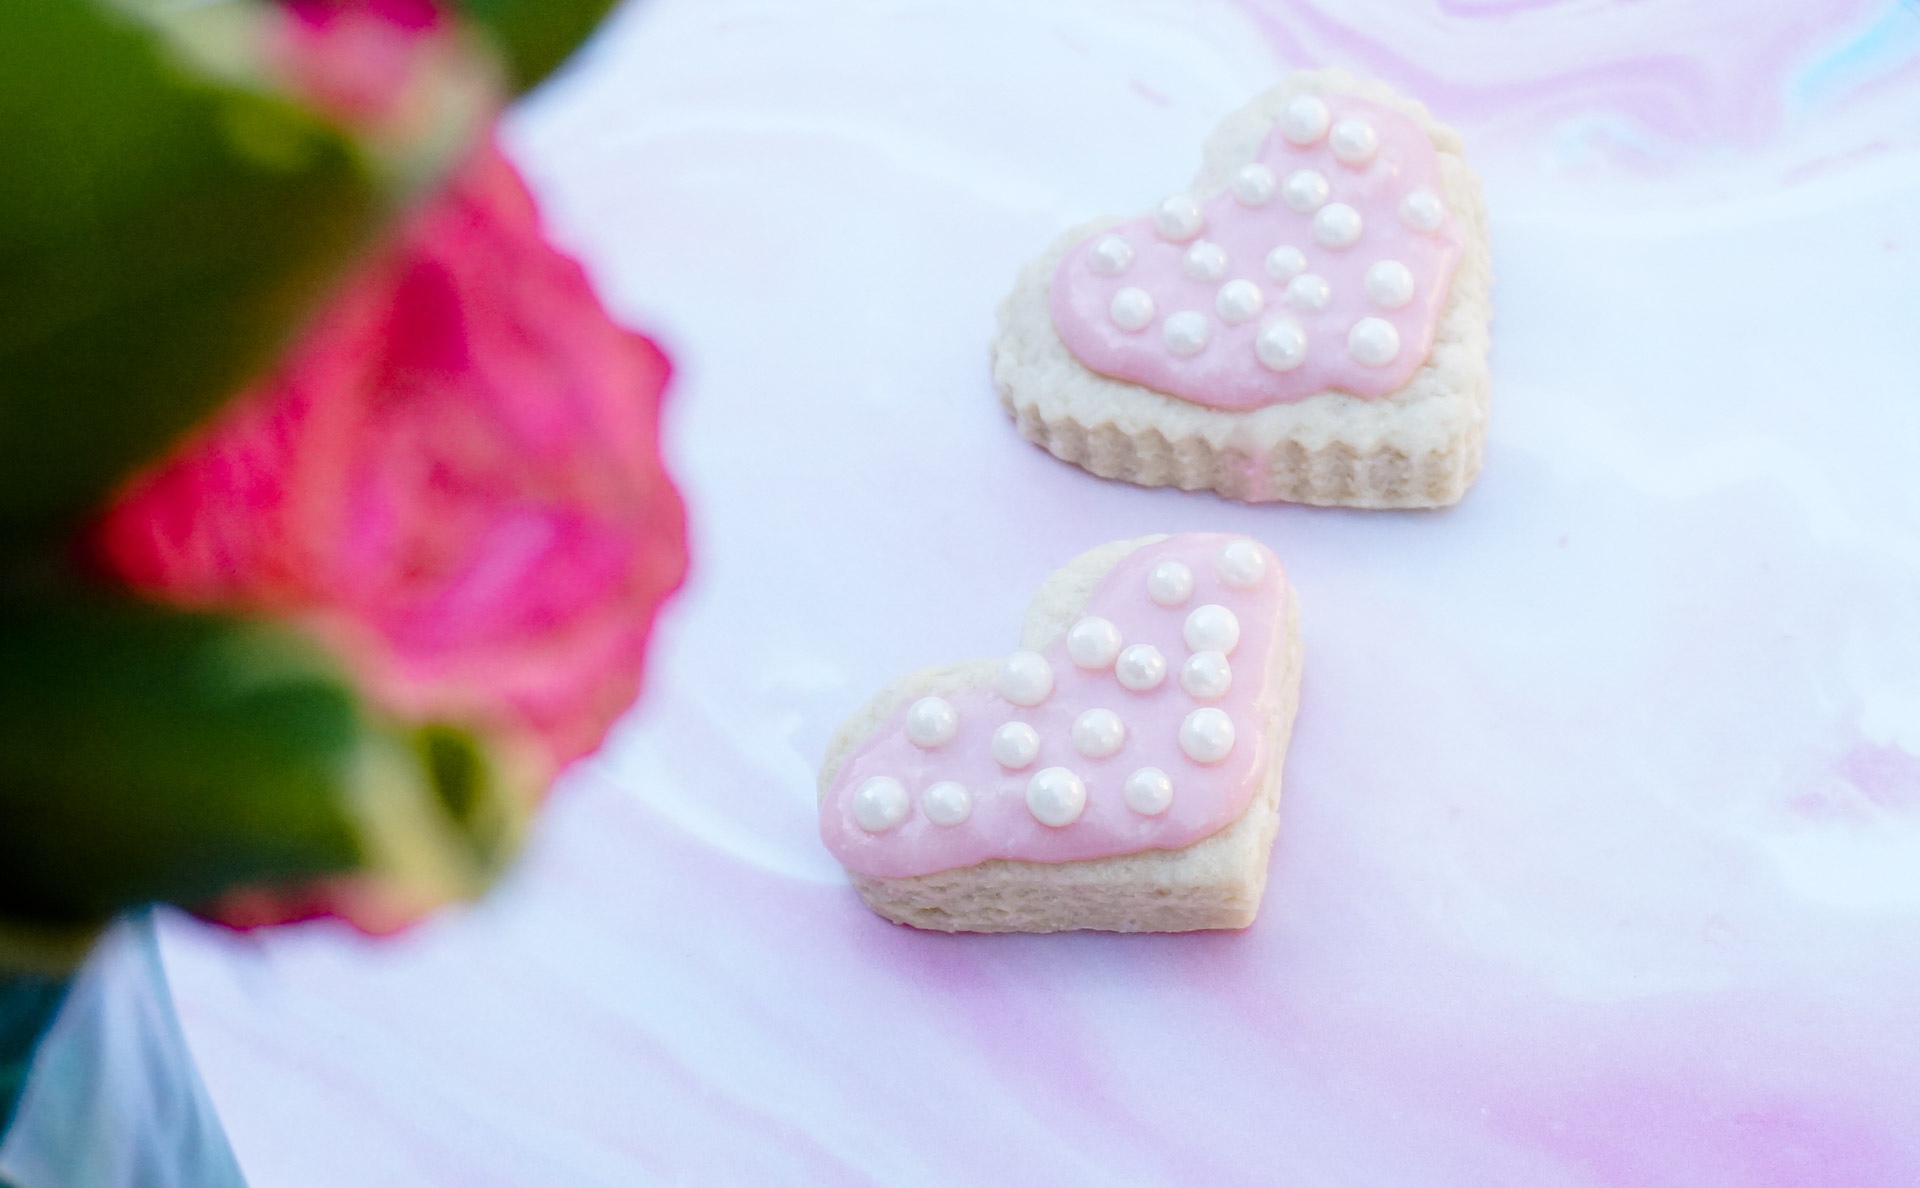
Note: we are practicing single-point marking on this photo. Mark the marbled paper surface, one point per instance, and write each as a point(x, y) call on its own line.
point(1599, 861)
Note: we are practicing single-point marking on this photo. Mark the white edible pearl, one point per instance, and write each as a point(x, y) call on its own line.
point(1309, 291)
point(1178, 218)
point(1186, 332)
point(1304, 119)
point(1205, 261)
point(1211, 628)
point(1253, 185)
point(1026, 678)
point(1141, 667)
point(1390, 283)
point(1239, 301)
point(1056, 797)
point(1284, 263)
point(1206, 676)
point(1337, 225)
point(1241, 564)
point(1354, 141)
point(1306, 191)
point(1373, 342)
point(1170, 583)
point(1110, 255)
point(931, 721)
point(946, 803)
point(1281, 346)
point(1132, 309)
point(880, 803)
point(1093, 642)
point(1015, 745)
point(1148, 791)
point(1098, 733)
point(1422, 210)
point(1207, 735)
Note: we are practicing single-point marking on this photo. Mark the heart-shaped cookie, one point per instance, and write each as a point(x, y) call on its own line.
point(1308, 321)
point(1321, 266)
point(1119, 771)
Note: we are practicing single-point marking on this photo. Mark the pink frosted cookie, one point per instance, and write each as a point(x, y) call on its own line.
point(1120, 771)
point(1306, 322)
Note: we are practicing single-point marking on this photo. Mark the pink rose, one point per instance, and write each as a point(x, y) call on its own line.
point(453, 477)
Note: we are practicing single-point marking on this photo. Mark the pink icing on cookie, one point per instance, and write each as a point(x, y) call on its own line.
point(892, 831)
point(1216, 301)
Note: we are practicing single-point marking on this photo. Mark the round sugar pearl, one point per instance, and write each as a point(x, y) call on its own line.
point(1026, 678)
point(1093, 642)
point(1178, 218)
point(931, 721)
point(1281, 345)
point(1170, 583)
point(1305, 191)
point(1285, 262)
point(1240, 564)
point(1389, 283)
point(1015, 745)
point(1186, 333)
point(1353, 141)
point(1373, 342)
point(1206, 676)
point(1253, 185)
point(1309, 291)
point(1148, 791)
point(1304, 119)
point(1132, 309)
point(1204, 261)
point(946, 803)
point(1239, 301)
point(1098, 733)
point(1422, 210)
point(880, 803)
point(1056, 797)
point(1140, 668)
point(1211, 628)
point(1337, 225)
point(1110, 255)
point(1207, 735)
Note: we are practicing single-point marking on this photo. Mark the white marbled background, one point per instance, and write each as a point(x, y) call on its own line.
point(1600, 851)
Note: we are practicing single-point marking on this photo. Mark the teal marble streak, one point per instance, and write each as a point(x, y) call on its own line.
point(1886, 47)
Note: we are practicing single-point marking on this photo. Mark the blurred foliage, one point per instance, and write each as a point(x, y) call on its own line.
point(170, 214)
point(154, 754)
point(165, 226)
point(534, 36)
point(162, 232)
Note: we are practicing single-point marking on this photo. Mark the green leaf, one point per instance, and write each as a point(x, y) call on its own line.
point(535, 36)
point(149, 754)
point(167, 220)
